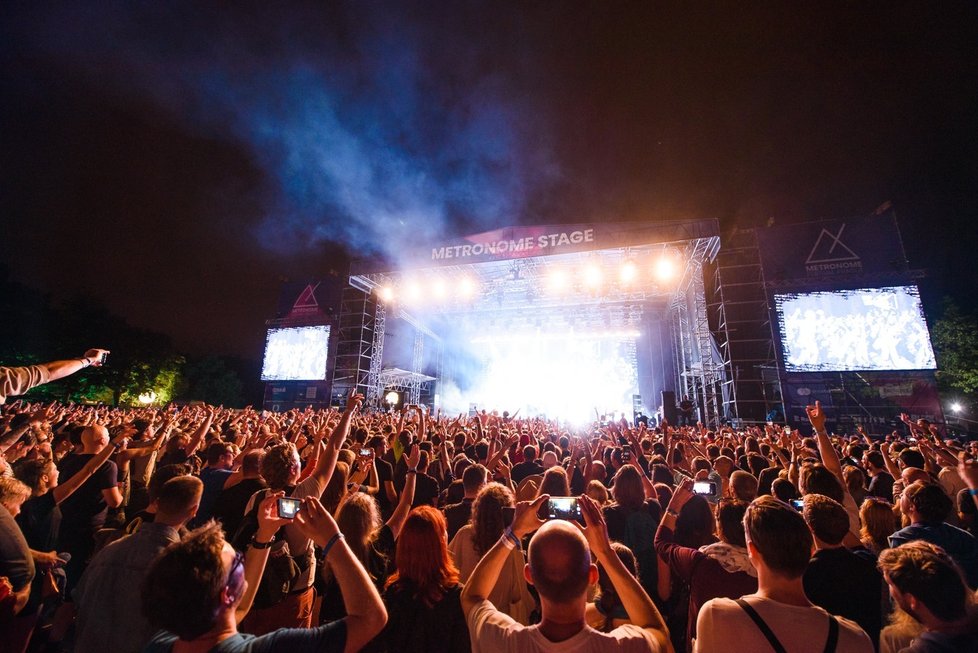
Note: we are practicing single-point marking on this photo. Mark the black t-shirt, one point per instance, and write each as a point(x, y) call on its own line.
point(385, 472)
point(524, 469)
point(85, 509)
point(229, 507)
point(881, 486)
point(847, 585)
point(415, 627)
point(40, 521)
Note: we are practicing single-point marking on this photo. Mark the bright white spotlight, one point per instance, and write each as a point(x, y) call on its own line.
point(592, 276)
point(147, 398)
point(392, 397)
point(628, 271)
point(439, 289)
point(556, 280)
point(665, 269)
point(412, 292)
point(466, 288)
point(386, 294)
point(956, 407)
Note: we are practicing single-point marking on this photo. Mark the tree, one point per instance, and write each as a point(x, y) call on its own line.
point(955, 338)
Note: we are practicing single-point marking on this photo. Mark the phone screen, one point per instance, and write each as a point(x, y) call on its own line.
point(566, 508)
point(798, 504)
point(288, 507)
point(705, 487)
point(366, 452)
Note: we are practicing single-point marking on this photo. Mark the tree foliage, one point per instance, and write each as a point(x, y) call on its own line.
point(955, 338)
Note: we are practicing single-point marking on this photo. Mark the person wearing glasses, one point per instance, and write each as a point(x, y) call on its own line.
point(199, 590)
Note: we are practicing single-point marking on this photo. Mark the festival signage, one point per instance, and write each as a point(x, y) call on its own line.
point(546, 240)
point(837, 249)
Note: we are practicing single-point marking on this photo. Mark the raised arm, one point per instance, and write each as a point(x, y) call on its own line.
point(327, 460)
point(830, 457)
point(365, 612)
point(396, 522)
point(60, 369)
point(198, 437)
point(64, 490)
point(639, 607)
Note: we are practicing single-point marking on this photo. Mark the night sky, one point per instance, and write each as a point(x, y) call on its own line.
point(178, 160)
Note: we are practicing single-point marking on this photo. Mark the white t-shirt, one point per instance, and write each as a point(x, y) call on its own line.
point(722, 622)
point(491, 631)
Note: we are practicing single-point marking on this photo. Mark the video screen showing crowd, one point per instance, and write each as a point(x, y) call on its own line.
point(202, 528)
point(848, 330)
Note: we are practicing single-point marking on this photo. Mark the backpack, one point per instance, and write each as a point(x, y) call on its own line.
point(282, 569)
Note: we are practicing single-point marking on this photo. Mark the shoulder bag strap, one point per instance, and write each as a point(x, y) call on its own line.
point(762, 626)
point(833, 639)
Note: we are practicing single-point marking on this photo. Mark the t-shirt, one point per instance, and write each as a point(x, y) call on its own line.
point(15, 558)
point(848, 585)
point(425, 491)
point(385, 472)
point(491, 631)
point(415, 627)
point(213, 480)
point(18, 380)
point(85, 510)
point(229, 507)
point(800, 629)
point(329, 638)
point(40, 521)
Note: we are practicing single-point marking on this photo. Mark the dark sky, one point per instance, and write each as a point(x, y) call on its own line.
point(176, 160)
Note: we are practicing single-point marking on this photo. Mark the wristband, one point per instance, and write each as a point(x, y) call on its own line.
point(332, 542)
point(411, 471)
point(509, 539)
point(973, 491)
point(255, 544)
point(87, 361)
point(672, 513)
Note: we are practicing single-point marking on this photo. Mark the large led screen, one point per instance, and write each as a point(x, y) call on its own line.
point(296, 354)
point(849, 330)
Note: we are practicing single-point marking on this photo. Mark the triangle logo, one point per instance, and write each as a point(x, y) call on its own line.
point(829, 248)
point(307, 299)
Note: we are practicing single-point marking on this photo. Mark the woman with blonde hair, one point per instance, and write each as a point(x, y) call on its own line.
point(371, 540)
point(878, 524)
point(492, 511)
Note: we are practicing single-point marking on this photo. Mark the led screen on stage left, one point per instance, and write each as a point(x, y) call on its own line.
point(296, 354)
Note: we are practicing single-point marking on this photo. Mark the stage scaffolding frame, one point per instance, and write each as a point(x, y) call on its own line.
point(510, 296)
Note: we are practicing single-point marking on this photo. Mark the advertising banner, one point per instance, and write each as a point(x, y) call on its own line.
point(813, 251)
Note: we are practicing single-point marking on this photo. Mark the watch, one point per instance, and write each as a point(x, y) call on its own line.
point(255, 544)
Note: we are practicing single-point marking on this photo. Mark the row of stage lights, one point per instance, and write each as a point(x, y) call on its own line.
point(592, 277)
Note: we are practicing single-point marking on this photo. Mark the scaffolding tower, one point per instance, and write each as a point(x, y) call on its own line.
point(740, 316)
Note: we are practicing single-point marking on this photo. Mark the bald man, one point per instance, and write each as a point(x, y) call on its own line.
point(84, 512)
point(561, 568)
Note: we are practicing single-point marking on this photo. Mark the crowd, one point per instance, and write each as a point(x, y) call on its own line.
point(200, 528)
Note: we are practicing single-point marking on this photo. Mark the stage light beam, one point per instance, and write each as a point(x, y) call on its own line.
point(412, 292)
point(665, 269)
point(592, 276)
point(628, 272)
point(466, 288)
point(956, 407)
point(556, 280)
point(386, 294)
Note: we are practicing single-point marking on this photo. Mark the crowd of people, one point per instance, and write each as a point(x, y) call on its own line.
point(201, 528)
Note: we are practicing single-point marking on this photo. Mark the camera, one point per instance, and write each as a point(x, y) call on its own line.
point(566, 508)
point(798, 504)
point(288, 507)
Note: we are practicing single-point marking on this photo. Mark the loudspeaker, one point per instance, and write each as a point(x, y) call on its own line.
point(669, 412)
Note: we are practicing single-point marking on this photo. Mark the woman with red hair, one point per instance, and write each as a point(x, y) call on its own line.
point(422, 596)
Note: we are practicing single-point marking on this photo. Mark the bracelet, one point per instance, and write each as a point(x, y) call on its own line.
point(973, 491)
point(671, 512)
point(332, 542)
point(87, 361)
point(255, 544)
point(411, 471)
point(509, 539)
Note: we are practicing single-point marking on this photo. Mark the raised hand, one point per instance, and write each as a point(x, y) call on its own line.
point(526, 519)
point(816, 416)
point(413, 457)
point(315, 522)
point(595, 529)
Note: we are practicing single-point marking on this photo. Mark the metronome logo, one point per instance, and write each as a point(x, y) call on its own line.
point(832, 256)
point(306, 302)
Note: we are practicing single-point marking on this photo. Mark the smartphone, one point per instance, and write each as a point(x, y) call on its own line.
point(708, 488)
point(508, 513)
point(103, 357)
point(287, 507)
point(798, 504)
point(566, 508)
point(626, 455)
point(365, 453)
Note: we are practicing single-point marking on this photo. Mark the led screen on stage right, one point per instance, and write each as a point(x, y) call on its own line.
point(850, 330)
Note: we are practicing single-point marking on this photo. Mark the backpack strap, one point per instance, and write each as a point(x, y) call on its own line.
point(833, 639)
point(762, 626)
